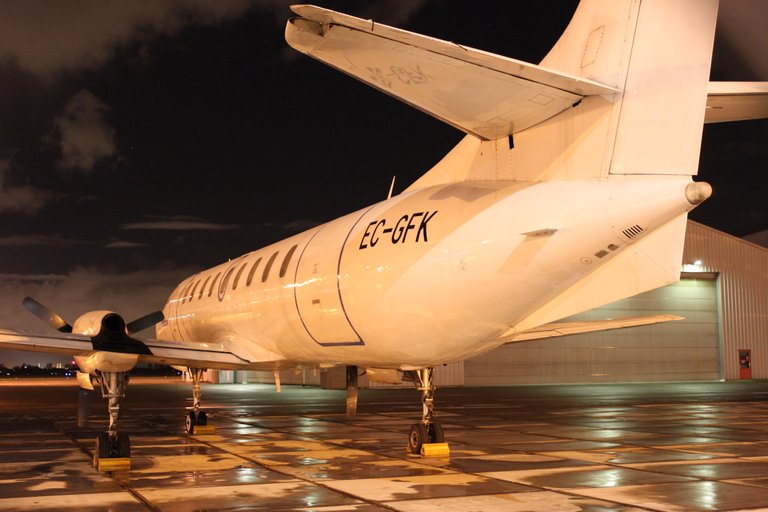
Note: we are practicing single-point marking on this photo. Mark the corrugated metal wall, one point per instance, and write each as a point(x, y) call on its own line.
point(743, 269)
point(684, 350)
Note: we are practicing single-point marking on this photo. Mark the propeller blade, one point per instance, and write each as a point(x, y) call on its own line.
point(46, 315)
point(144, 322)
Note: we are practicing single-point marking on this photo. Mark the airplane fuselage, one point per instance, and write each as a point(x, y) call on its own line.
point(428, 277)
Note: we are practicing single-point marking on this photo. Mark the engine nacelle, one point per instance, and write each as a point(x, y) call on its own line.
point(107, 328)
point(106, 362)
point(98, 322)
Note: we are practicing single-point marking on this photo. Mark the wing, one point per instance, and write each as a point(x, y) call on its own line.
point(480, 93)
point(181, 353)
point(736, 101)
point(554, 330)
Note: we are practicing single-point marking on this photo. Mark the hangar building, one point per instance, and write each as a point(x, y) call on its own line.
point(724, 334)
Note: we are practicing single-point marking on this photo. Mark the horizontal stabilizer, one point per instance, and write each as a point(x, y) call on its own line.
point(435, 76)
point(181, 353)
point(650, 262)
point(554, 330)
point(736, 101)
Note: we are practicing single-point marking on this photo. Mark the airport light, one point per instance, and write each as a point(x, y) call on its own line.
point(696, 266)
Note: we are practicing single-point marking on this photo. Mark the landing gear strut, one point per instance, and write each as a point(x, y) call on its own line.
point(113, 449)
point(351, 391)
point(426, 437)
point(196, 421)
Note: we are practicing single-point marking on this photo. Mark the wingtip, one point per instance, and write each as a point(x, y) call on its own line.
point(305, 10)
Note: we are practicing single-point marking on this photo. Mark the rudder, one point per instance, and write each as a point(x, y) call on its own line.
point(659, 53)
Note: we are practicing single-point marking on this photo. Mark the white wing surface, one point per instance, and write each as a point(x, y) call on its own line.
point(554, 330)
point(480, 93)
point(736, 101)
point(181, 353)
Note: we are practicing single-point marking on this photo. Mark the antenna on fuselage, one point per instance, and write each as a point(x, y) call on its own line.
point(391, 187)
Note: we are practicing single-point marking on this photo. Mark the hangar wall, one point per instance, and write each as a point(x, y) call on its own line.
point(684, 350)
point(743, 280)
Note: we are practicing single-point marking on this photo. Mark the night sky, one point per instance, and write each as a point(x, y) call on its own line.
point(141, 142)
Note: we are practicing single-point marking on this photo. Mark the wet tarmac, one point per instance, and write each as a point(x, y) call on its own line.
point(670, 447)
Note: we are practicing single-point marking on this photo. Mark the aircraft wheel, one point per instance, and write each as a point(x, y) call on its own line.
point(102, 446)
point(190, 422)
point(107, 448)
point(424, 434)
point(202, 418)
point(435, 431)
point(417, 437)
point(123, 448)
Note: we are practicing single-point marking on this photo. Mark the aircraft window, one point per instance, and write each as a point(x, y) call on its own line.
point(225, 281)
point(184, 293)
point(192, 292)
point(213, 284)
point(237, 276)
point(202, 288)
point(287, 261)
point(252, 272)
point(268, 266)
point(177, 293)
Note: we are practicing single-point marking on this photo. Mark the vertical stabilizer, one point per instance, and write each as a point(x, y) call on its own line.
point(597, 42)
point(658, 52)
point(665, 96)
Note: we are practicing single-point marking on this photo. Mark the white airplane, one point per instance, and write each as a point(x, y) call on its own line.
point(570, 190)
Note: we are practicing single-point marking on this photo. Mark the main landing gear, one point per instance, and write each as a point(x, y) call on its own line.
point(113, 449)
point(426, 437)
point(351, 391)
point(196, 421)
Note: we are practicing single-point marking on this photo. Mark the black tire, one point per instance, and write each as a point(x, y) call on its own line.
point(123, 445)
point(108, 448)
point(436, 434)
point(417, 438)
point(190, 422)
point(101, 451)
point(202, 418)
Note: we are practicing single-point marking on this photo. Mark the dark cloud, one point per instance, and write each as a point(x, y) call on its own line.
point(179, 223)
point(83, 135)
point(22, 199)
point(391, 12)
point(48, 36)
point(38, 279)
point(124, 244)
point(40, 241)
point(300, 225)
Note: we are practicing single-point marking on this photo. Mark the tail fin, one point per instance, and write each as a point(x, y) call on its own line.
point(658, 52)
point(623, 91)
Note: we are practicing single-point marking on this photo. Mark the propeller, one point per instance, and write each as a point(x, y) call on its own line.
point(58, 323)
point(144, 322)
point(46, 315)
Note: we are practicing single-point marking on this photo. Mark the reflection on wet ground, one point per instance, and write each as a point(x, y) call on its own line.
point(581, 448)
